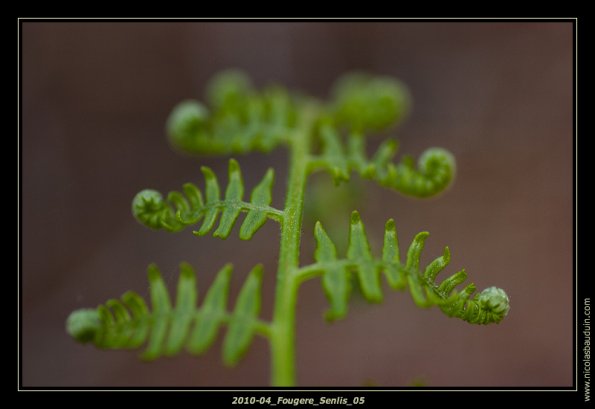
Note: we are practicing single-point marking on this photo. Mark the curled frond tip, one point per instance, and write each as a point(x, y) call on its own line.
point(489, 306)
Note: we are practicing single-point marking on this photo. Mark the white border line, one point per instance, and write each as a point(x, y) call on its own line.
point(304, 19)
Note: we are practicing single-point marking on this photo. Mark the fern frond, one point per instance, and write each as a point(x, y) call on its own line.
point(239, 120)
point(369, 103)
point(489, 306)
point(179, 211)
point(129, 324)
point(433, 174)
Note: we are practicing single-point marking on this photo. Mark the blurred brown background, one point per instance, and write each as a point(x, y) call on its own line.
point(499, 96)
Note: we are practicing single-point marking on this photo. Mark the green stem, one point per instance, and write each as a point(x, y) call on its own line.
point(283, 325)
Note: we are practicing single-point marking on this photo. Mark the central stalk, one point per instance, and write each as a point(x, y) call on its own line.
point(283, 326)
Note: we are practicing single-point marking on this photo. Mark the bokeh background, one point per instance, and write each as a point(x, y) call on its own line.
point(95, 98)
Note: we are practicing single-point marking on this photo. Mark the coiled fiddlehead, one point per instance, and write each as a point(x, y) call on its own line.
point(369, 103)
point(489, 306)
point(177, 212)
point(433, 174)
point(129, 324)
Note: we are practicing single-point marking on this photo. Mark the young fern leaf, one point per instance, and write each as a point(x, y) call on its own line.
point(177, 212)
point(369, 103)
point(489, 306)
point(239, 120)
point(319, 136)
point(433, 174)
point(128, 323)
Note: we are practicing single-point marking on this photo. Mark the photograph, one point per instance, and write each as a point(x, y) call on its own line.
point(341, 204)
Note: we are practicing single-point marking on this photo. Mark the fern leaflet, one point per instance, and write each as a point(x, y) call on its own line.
point(240, 120)
point(489, 306)
point(433, 174)
point(178, 211)
point(128, 323)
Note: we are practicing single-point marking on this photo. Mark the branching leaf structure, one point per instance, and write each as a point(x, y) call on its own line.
point(240, 120)
point(490, 306)
point(177, 212)
point(128, 323)
point(319, 136)
point(433, 174)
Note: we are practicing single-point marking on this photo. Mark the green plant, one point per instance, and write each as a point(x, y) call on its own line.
point(320, 137)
